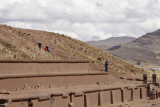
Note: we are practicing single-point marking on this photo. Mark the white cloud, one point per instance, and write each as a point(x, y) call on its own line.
point(88, 32)
point(71, 34)
point(122, 34)
point(20, 24)
point(84, 19)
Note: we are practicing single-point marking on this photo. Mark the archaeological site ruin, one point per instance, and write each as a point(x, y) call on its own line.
point(67, 83)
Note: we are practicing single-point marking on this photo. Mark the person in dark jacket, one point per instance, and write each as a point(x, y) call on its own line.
point(106, 66)
point(48, 49)
point(40, 45)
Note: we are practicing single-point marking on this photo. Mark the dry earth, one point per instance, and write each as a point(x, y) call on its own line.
point(16, 43)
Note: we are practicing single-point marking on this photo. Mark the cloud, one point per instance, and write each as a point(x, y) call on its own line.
point(83, 19)
point(25, 12)
point(88, 32)
point(20, 24)
point(71, 34)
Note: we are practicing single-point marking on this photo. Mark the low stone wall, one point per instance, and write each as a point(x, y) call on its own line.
point(22, 82)
point(93, 97)
point(43, 66)
point(88, 98)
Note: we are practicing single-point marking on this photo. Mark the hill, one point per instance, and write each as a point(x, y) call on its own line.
point(144, 51)
point(113, 41)
point(16, 43)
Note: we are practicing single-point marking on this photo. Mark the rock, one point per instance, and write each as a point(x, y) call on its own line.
point(51, 86)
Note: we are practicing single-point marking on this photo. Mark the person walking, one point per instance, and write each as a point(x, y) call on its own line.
point(40, 45)
point(48, 49)
point(106, 66)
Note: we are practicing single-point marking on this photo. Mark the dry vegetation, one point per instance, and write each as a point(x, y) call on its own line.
point(16, 43)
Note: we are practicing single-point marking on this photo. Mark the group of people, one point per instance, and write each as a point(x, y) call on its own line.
point(47, 49)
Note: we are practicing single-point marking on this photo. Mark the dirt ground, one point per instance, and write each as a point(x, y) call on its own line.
point(140, 103)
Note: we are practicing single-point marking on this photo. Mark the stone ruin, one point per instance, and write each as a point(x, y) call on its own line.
point(65, 84)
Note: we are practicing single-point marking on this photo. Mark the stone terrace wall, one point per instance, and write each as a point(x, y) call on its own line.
point(43, 66)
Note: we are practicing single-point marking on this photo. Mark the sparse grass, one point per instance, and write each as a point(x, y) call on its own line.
point(25, 56)
point(8, 45)
point(64, 44)
point(99, 56)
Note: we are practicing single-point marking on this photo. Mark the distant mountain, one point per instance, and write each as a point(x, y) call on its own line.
point(144, 51)
point(112, 41)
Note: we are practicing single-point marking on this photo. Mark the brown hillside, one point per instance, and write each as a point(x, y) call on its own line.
point(16, 43)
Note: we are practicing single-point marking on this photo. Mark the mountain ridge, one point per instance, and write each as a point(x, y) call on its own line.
point(112, 41)
point(143, 51)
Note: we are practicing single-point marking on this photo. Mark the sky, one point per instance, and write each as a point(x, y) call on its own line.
point(84, 19)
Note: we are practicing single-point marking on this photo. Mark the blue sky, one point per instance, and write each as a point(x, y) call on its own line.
point(84, 19)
